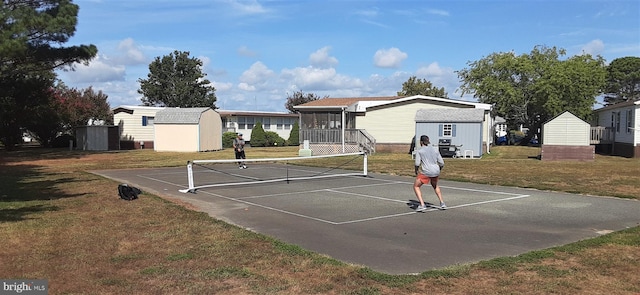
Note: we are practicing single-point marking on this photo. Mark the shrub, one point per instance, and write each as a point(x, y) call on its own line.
point(294, 135)
point(274, 139)
point(258, 136)
point(227, 139)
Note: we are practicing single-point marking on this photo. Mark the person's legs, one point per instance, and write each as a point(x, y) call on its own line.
point(416, 188)
point(238, 157)
point(243, 156)
point(436, 189)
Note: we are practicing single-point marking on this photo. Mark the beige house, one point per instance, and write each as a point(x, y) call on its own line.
point(135, 125)
point(374, 123)
point(187, 130)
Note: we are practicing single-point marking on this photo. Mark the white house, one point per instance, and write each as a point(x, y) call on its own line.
point(623, 121)
point(244, 121)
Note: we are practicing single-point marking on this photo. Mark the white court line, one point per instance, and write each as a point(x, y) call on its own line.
point(335, 190)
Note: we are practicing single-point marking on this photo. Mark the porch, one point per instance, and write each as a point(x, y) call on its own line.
point(325, 141)
point(602, 135)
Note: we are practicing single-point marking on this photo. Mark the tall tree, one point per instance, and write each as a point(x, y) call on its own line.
point(623, 80)
point(31, 38)
point(531, 88)
point(415, 86)
point(177, 80)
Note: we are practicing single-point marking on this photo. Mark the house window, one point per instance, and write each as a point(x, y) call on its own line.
point(280, 123)
point(618, 122)
point(266, 123)
point(250, 122)
point(629, 121)
point(447, 130)
point(147, 121)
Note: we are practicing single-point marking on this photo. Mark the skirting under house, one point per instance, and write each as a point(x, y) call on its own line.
point(567, 152)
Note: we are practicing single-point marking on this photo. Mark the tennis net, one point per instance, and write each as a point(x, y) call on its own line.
point(220, 173)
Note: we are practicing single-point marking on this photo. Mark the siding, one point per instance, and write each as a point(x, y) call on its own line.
point(393, 124)
point(566, 129)
point(131, 128)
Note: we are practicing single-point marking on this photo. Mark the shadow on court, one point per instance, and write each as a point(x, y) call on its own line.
point(370, 221)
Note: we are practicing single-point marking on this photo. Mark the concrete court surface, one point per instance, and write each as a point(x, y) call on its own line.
point(369, 221)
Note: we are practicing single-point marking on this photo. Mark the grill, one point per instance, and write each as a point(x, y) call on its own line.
point(445, 147)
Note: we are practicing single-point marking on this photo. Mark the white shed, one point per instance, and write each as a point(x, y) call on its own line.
point(566, 137)
point(187, 130)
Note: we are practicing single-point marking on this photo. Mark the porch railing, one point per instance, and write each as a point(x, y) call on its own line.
point(359, 137)
point(602, 135)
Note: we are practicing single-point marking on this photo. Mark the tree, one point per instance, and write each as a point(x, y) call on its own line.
point(294, 135)
point(623, 80)
point(298, 98)
point(62, 109)
point(258, 136)
point(176, 80)
point(532, 88)
point(415, 86)
point(31, 35)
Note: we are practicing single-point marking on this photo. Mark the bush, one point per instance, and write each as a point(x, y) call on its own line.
point(258, 136)
point(227, 139)
point(274, 139)
point(294, 135)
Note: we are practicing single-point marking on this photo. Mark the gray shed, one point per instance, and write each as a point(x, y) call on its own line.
point(566, 137)
point(187, 130)
point(97, 138)
point(459, 127)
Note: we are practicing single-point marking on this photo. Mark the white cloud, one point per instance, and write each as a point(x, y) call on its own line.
point(247, 7)
point(373, 12)
point(438, 12)
point(222, 86)
point(98, 70)
point(321, 58)
point(594, 47)
point(389, 58)
point(312, 79)
point(440, 77)
point(129, 53)
point(257, 75)
point(245, 51)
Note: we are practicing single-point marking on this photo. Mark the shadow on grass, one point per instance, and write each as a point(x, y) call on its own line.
point(40, 153)
point(24, 183)
point(20, 214)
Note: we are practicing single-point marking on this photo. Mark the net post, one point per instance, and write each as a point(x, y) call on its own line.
point(190, 178)
point(365, 165)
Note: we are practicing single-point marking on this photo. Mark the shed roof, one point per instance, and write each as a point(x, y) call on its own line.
point(450, 115)
point(179, 115)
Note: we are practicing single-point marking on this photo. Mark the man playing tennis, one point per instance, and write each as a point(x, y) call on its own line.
point(428, 163)
point(238, 147)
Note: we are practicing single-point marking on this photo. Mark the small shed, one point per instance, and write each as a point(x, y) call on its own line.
point(567, 137)
point(187, 130)
point(462, 128)
point(97, 138)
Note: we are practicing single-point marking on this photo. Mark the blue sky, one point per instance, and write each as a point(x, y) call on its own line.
point(256, 53)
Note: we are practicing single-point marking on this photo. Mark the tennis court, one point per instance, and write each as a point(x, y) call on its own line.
point(370, 221)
